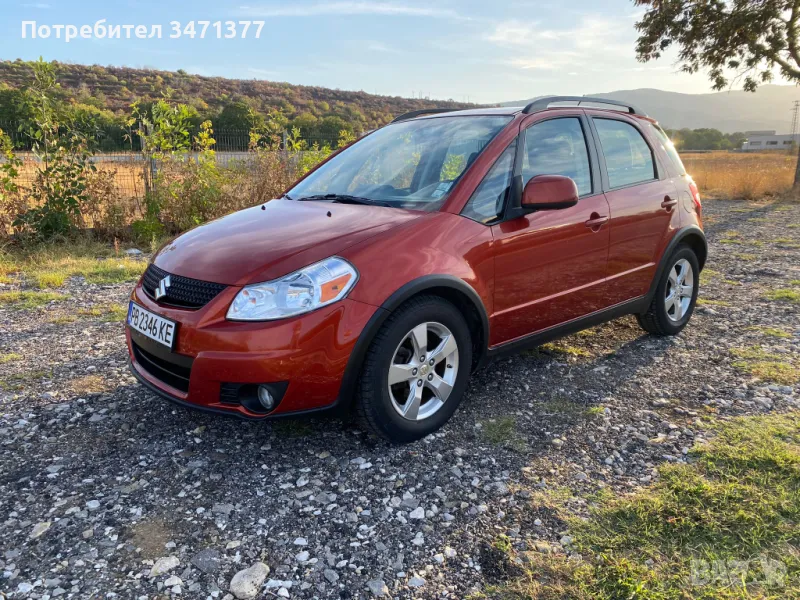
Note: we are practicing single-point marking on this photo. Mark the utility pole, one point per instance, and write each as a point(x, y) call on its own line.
point(795, 111)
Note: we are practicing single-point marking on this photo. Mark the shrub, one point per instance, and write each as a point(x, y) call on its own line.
point(12, 202)
point(59, 189)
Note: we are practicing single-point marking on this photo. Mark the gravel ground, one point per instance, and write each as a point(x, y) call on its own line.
point(110, 492)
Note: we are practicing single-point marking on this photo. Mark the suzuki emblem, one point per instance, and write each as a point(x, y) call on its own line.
point(161, 290)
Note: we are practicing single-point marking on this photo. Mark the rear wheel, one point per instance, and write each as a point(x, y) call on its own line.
point(673, 303)
point(416, 370)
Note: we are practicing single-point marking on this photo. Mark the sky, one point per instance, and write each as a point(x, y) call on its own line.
point(468, 50)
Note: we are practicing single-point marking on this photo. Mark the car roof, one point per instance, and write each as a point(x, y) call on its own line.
point(493, 111)
point(538, 105)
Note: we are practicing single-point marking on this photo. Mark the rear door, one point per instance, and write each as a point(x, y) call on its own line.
point(642, 199)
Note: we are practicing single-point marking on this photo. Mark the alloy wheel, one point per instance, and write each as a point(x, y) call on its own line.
point(423, 371)
point(680, 287)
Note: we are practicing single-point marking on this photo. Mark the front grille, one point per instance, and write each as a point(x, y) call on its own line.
point(172, 374)
point(182, 291)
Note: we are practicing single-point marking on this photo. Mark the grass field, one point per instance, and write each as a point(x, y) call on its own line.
point(742, 175)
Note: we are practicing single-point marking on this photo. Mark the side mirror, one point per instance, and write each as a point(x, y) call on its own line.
point(549, 192)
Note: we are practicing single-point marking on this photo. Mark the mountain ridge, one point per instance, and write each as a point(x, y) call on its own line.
point(769, 107)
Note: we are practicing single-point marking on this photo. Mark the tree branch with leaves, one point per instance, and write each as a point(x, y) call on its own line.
point(740, 39)
point(746, 39)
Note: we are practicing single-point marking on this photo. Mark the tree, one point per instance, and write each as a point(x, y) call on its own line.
point(305, 122)
point(238, 116)
point(329, 128)
point(743, 39)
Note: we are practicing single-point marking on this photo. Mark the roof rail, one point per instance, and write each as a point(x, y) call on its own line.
point(423, 111)
point(544, 103)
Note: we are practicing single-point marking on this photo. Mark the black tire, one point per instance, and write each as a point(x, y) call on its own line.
point(656, 320)
point(373, 407)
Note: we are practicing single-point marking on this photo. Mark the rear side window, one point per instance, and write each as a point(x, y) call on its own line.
point(669, 148)
point(489, 198)
point(629, 159)
point(557, 147)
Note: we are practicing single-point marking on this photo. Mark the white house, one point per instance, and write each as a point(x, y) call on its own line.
point(759, 141)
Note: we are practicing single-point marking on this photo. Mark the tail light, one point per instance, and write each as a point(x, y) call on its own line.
point(695, 195)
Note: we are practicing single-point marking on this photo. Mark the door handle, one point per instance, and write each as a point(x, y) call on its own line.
point(668, 203)
point(596, 221)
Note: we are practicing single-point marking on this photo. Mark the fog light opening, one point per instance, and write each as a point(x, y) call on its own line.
point(265, 397)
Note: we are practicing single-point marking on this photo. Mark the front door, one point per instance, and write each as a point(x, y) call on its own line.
point(550, 265)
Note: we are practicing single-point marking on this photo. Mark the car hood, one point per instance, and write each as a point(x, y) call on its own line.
point(266, 242)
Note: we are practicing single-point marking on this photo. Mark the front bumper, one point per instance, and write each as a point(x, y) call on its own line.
point(308, 353)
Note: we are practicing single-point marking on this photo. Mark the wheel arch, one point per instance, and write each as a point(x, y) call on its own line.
point(453, 289)
point(691, 236)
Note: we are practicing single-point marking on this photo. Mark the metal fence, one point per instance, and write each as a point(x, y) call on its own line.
point(116, 139)
point(119, 153)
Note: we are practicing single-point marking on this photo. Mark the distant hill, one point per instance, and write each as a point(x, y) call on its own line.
point(770, 107)
point(115, 88)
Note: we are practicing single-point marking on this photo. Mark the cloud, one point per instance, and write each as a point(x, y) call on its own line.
point(349, 8)
point(380, 47)
point(594, 39)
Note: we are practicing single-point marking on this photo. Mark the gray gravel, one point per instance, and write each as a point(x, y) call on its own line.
point(110, 492)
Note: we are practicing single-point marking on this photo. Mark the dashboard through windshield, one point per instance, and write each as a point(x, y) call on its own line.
point(411, 164)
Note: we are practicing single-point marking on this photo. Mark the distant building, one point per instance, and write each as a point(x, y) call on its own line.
point(759, 141)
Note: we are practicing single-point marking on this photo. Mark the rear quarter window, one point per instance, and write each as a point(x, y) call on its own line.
point(669, 148)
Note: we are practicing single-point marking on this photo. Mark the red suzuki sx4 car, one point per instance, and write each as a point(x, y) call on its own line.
point(405, 261)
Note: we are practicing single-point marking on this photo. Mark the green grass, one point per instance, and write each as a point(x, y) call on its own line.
point(707, 302)
point(706, 275)
point(17, 381)
point(745, 257)
point(558, 349)
point(25, 300)
point(770, 331)
point(766, 365)
point(502, 431)
point(63, 319)
point(784, 295)
point(704, 530)
point(10, 357)
point(108, 312)
point(50, 265)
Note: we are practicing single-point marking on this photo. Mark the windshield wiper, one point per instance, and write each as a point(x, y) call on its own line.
point(346, 199)
point(287, 196)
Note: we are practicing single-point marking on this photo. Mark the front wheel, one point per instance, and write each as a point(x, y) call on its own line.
point(676, 295)
point(416, 370)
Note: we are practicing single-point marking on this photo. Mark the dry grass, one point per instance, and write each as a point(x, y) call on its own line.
point(50, 265)
point(742, 175)
point(90, 384)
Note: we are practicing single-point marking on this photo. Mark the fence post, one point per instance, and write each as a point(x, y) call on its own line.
point(285, 140)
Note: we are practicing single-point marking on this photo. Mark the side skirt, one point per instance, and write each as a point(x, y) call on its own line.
point(629, 307)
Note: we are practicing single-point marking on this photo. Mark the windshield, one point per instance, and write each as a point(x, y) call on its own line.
point(411, 164)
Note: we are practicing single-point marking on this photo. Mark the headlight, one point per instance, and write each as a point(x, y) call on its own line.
point(300, 292)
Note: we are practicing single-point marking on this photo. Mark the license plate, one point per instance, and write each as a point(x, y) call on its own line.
point(152, 325)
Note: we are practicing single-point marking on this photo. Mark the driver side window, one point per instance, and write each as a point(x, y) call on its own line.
point(557, 147)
